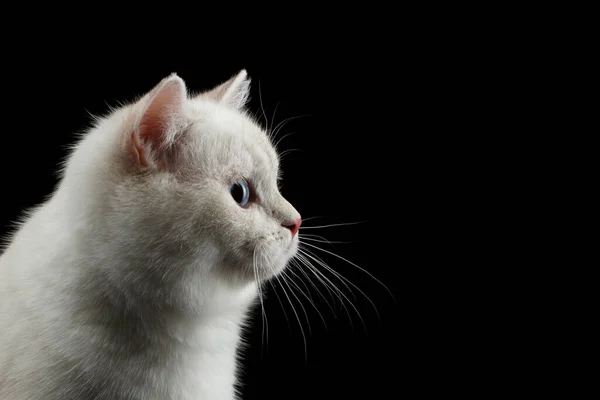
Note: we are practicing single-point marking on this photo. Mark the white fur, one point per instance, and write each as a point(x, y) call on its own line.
point(133, 281)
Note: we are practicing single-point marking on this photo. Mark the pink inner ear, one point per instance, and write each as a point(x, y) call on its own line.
point(159, 121)
point(137, 151)
point(162, 112)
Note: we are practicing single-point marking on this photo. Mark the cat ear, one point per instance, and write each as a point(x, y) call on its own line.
point(160, 120)
point(233, 93)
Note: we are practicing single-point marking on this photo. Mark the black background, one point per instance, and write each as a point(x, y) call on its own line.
point(427, 121)
point(363, 144)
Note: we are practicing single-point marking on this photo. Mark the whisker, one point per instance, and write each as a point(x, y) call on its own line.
point(322, 263)
point(287, 280)
point(332, 225)
point(280, 303)
point(354, 265)
point(285, 152)
point(291, 271)
point(297, 317)
point(270, 261)
point(262, 107)
point(285, 121)
point(274, 112)
point(295, 263)
point(262, 306)
point(307, 297)
point(309, 218)
point(313, 235)
point(276, 145)
point(326, 241)
point(341, 293)
point(343, 278)
point(301, 258)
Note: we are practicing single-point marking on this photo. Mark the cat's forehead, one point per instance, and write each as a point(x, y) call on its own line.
point(233, 132)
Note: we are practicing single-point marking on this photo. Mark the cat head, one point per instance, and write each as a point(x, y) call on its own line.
point(192, 184)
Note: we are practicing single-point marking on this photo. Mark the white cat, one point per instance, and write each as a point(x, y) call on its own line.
point(132, 281)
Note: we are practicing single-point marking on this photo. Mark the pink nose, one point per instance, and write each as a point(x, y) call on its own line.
point(293, 226)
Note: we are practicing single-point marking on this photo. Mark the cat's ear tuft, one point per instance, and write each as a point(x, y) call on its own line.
point(233, 93)
point(159, 122)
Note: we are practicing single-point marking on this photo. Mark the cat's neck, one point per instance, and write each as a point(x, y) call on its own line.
point(160, 323)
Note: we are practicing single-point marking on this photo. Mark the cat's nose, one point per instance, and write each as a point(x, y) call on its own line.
point(293, 225)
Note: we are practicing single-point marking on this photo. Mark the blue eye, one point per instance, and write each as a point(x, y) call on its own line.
point(240, 192)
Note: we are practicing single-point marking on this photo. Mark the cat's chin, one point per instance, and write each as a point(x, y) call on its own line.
point(263, 272)
point(260, 266)
point(271, 270)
